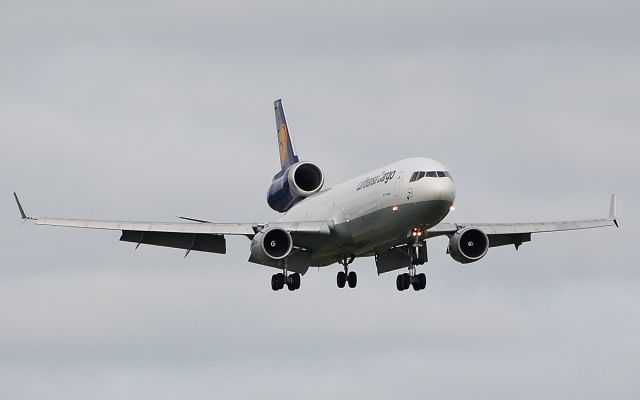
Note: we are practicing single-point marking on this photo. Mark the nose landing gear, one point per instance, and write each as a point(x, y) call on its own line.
point(418, 257)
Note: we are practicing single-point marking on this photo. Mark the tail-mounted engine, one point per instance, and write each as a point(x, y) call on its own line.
point(300, 180)
point(468, 245)
point(271, 244)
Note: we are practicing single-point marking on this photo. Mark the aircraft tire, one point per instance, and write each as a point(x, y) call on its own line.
point(295, 282)
point(280, 280)
point(406, 281)
point(352, 279)
point(419, 282)
point(341, 279)
point(422, 278)
point(277, 281)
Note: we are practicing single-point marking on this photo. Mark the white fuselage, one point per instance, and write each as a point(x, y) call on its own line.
point(377, 209)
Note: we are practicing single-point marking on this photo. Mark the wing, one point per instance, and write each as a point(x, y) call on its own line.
point(198, 236)
point(207, 237)
point(501, 234)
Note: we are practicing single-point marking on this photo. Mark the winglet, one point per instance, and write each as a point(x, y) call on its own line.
point(612, 210)
point(22, 214)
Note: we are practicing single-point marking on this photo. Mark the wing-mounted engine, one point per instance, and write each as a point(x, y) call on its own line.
point(271, 244)
point(295, 183)
point(468, 245)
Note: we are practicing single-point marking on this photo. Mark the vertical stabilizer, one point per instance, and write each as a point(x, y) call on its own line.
point(288, 155)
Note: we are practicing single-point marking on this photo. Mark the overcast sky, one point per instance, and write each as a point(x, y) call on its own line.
point(147, 110)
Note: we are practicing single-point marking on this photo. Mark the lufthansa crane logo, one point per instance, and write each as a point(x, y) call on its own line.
point(282, 139)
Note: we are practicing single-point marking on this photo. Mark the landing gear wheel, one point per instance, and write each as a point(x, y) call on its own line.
point(345, 276)
point(406, 281)
point(293, 282)
point(297, 278)
point(341, 279)
point(422, 279)
point(403, 281)
point(417, 252)
point(277, 281)
point(352, 279)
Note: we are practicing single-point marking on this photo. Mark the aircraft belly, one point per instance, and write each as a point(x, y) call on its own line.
point(379, 229)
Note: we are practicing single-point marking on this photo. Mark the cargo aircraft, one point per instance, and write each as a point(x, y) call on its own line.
point(388, 214)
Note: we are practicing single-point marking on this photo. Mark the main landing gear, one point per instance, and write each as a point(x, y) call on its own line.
point(418, 257)
point(346, 277)
point(278, 281)
point(418, 281)
point(284, 278)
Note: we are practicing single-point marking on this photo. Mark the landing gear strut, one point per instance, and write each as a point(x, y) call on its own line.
point(284, 278)
point(346, 277)
point(418, 257)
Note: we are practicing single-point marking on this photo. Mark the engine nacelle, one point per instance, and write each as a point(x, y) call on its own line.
point(300, 180)
point(271, 244)
point(468, 245)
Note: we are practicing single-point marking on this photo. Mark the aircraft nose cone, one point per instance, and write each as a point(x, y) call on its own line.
point(445, 190)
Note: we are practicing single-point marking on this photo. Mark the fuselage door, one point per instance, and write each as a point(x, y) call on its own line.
point(397, 183)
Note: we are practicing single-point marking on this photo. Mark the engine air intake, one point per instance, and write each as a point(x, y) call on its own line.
point(294, 184)
point(308, 177)
point(271, 244)
point(468, 245)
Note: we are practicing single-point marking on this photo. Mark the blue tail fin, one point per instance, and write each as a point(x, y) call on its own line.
point(288, 155)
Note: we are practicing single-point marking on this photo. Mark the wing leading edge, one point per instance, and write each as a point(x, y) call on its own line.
point(206, 236)
point(199, 235)
point(167, 227)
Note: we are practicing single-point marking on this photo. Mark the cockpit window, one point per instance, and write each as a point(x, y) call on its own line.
point(416, 176)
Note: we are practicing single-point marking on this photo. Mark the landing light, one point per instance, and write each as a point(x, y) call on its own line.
point(452, 208)
point(395, 208)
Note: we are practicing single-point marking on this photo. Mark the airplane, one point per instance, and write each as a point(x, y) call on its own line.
point(388, 213)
